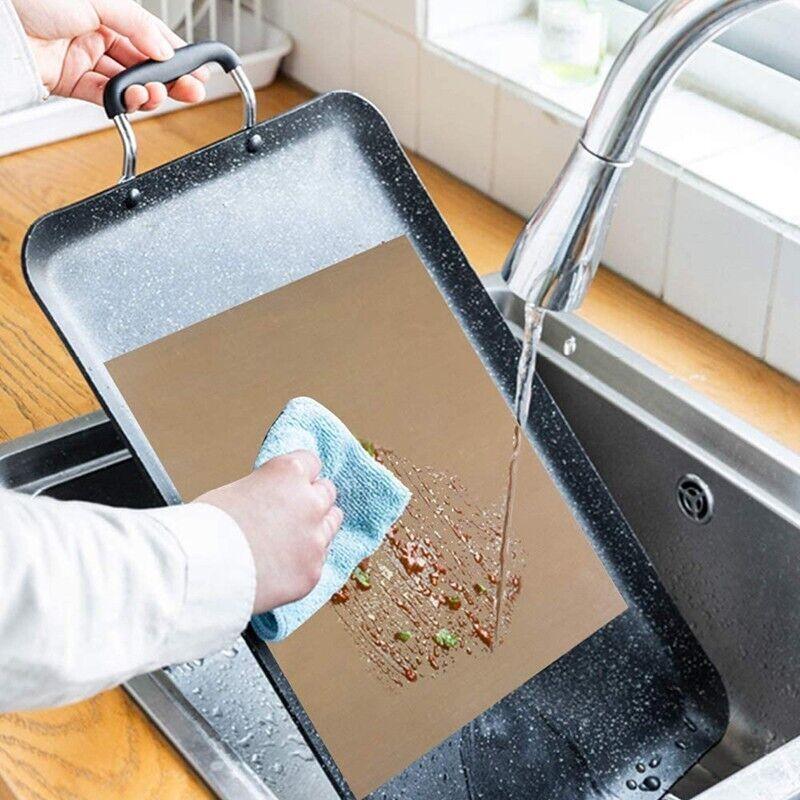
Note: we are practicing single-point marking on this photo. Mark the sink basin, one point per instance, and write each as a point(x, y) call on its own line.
point(715, 504)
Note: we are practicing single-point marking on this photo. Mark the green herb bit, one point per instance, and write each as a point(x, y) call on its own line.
point(454, 601)
point(369, 447)
point(403, 636)
point(444, 638)
point(361, 578)
point(480, 588)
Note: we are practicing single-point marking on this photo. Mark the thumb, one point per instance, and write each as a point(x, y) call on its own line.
point(137, 24)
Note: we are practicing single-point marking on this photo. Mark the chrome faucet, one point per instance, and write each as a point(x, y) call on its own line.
point(555, 256)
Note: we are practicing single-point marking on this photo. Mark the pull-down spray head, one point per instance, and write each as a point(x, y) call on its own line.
point(555, 257)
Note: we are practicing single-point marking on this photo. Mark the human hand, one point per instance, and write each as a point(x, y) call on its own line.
point(79, 44)
point(288, 517)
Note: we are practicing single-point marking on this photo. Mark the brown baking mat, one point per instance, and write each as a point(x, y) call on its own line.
point(373, 340)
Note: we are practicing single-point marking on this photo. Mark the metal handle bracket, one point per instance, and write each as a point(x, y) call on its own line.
point(128, 137)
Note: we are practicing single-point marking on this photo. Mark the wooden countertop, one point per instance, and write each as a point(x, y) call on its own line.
point(105, 747)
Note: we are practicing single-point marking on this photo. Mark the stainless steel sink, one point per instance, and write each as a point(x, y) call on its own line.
point(715, 504)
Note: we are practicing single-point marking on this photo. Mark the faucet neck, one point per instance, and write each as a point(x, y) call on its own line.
point(646, 65)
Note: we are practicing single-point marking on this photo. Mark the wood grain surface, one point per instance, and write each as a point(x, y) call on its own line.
point(101, 748)
point(105, 747)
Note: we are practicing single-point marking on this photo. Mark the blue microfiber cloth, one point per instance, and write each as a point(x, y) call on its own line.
point(370, 496)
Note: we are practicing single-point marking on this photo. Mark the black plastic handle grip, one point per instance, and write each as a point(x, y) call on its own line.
point(186, 60)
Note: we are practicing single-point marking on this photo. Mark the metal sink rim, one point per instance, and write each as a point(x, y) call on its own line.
point(763, 467)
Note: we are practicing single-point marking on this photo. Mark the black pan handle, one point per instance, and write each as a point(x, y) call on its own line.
point(186, 60)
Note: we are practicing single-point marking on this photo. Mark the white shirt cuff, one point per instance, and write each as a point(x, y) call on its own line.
point(220, 580)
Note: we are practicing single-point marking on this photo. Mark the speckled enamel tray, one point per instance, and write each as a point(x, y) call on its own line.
point(624, 714)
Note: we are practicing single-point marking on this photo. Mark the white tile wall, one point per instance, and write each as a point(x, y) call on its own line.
point(720, 266)
point(783, 342)
point(679, 230)
point(531, 146)
point(323, 43)
point(385, 71)
point(400, 13)
point(510, 51)
point(456, 126)
point(765, 172)
point(637, 241)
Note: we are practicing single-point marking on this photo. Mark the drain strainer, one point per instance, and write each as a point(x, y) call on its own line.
point(695, 499)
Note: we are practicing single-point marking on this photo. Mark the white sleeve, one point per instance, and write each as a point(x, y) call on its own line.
point(90, 595)
point(20, 85)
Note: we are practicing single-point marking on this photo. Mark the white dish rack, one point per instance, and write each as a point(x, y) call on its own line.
point(238, 23)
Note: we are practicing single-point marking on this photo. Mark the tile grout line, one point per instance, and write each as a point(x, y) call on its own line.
point(418, 115)
point(352, 23)
point(773, 287)
point(673, 203)
point(732, 149)
point(365, 11)
point(493, 140)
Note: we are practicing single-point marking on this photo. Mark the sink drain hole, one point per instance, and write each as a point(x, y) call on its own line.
point(695, 499)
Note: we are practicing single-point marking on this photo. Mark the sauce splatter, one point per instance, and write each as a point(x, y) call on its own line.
point(342, 596)
point(432, 573)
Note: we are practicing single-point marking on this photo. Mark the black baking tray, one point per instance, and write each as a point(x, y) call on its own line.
point(624, 714)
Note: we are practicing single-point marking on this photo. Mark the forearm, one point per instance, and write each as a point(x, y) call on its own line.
point(93, 595)
point(20, 85)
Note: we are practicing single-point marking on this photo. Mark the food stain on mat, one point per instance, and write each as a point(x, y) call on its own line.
point(427, 596)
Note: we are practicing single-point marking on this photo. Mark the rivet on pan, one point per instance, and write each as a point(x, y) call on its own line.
point(254, 143)
point(132, 198)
